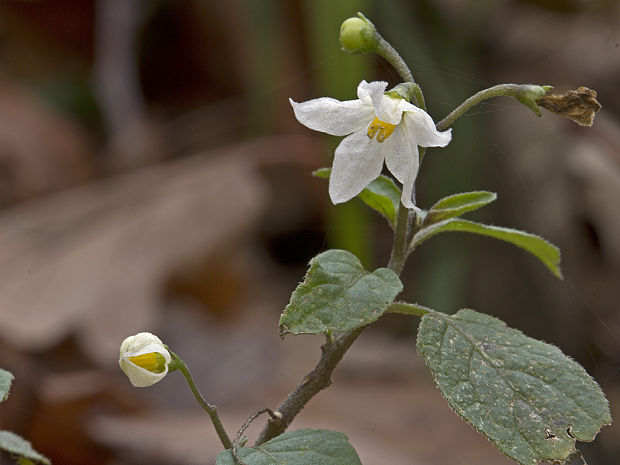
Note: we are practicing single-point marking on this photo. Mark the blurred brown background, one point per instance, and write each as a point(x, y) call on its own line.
point(153, 177)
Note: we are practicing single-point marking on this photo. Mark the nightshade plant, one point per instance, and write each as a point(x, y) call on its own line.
point(527, 397)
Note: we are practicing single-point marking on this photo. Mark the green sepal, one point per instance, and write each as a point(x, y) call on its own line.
point(18, 446)
point(300, 447)
point(404, 90)
point(382, 195)
point(456, 205)
point(546, 252)
point(338, 295)
point(532, 401)
point(529, 93)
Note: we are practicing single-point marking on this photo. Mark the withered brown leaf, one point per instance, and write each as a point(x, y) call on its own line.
point(578, 105)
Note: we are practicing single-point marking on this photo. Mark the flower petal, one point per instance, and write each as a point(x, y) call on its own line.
point(333, 116)
point(138, 376)
point(422, 125)
point(357, 161)
point(389, 109)
point(402, 159)
point(368, 91)
point(149, 348)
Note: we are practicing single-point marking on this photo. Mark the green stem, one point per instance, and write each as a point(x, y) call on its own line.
point(178, 364)
point(314, 382)
point(398, 256)
point(405, 308)
point(525, 93)
point(385, 50)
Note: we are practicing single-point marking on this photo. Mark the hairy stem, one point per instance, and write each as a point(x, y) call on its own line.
point(178, 364)
point(399, 247)
point(405, 308)
point(314, 382)
point(519, 91)
point(385, 50)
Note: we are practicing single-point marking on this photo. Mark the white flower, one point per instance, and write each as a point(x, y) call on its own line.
point(378, 127)
point(144, 359)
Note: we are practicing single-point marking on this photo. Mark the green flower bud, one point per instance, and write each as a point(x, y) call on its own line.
point(358, 35)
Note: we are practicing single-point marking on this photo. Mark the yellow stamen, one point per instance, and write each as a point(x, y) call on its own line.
point(153, 362)
point(381, 129)
point(374, 127)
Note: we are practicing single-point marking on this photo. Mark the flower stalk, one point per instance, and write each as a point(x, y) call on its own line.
point(527, 94)
point(178, 364)
point(385, 50)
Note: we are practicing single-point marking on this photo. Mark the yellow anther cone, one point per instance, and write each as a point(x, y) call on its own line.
point(153, 362)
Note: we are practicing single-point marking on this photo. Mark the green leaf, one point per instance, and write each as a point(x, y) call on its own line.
point(301, 447)
point(526, 396)
point(381, 195)
point(537, 246)
point(457, 204)
point(5, 384)
point(338, 294)
point(16, 445)
point(24, 461)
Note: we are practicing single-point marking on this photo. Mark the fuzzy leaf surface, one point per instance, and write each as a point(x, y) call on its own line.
point(546, 252)
point(16, 445)
point(532, 401)
point(301, 447)
point(381, 195)
point(458, 204)
point(338, 294)
point(6, 378)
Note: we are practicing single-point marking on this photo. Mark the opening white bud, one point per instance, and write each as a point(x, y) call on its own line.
point(144, 359)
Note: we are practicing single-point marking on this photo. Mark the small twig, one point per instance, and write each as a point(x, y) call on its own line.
point(275, 416)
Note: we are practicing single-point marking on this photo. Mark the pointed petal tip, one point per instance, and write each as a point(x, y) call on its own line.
point(367, 91)
point(294, 105)
point(445, 137)
point(336, 196)
point(406, 201)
